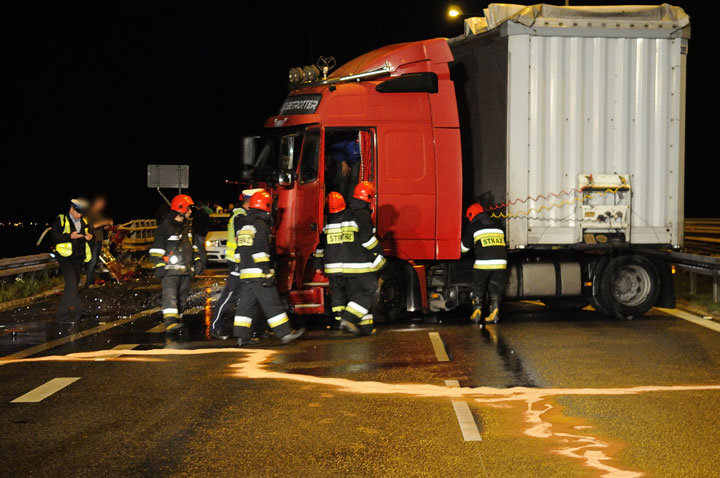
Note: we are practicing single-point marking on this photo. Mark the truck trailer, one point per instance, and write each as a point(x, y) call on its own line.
point(565, 123)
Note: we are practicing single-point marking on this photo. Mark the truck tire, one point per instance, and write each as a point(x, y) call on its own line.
point(629, 286)
point(390, 301)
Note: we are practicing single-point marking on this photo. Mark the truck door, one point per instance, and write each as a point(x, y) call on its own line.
point(309, 204)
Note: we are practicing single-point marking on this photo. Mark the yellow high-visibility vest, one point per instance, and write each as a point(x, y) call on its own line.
point(231, 243)
point(65, 248)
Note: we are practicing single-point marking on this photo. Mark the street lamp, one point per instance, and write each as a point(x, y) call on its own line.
point(454, 12)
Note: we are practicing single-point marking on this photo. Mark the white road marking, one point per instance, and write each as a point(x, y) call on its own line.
point(681, 314)
point(438, 347)
point(465, 418)
point(45, 390)
point(71, 338)
point(117, 347)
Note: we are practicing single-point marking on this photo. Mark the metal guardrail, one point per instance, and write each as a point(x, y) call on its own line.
point(19, 265)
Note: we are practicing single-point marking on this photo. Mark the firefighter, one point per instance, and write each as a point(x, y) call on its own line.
point(361, 259)
point(258, 278)
point(489, 274)
point(331, 254)
point(232, 284)
point(176, 259)
point(70, 236)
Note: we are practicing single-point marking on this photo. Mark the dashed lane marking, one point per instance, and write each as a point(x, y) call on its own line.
point(45, 390)
point(438, 347)
point(117, 347)
point(681, 314)
point(72, 337)
point(465, 418)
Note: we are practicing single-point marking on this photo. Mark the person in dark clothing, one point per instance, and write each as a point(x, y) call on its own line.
point(70, 237)
point(200, 229)
point(175, 260)
point(231, 291)
point(97, 223)
point(258, 291)
point(330, 252)
point(346, 156)
point(488, 242)
point(361, 259)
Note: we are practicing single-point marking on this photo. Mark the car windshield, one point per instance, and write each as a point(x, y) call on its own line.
point(219, 223)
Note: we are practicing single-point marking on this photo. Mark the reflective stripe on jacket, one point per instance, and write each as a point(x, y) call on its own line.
point(361, 251)
point(234, 224)
point(64, 245)
point(488, 242)
point(253, 248)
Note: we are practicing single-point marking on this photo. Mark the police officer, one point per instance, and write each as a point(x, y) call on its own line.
point(330, 252)
point(488, 242)
point(231, 291)
point(70, 235)
point(258, 278)
point(176, 259)
point(361, 259)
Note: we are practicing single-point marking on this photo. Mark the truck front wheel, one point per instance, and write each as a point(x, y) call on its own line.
point(629, 286)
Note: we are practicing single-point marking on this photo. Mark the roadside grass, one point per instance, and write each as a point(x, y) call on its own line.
point(21, 287)
point(702, 302)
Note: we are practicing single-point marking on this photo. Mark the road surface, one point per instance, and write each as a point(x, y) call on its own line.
point(541, 394)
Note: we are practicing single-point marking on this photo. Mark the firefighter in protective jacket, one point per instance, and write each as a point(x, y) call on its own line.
point(361, 259)
point(331, 250)
point(488, 242)
point(231, 291)
point(175, 260)
point(258, 289)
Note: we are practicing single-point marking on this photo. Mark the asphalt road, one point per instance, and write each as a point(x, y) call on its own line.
point(541, 394)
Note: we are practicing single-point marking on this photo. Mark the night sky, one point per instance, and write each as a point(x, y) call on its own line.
point(90, 101)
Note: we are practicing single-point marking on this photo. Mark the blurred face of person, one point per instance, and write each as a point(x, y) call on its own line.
point(99, 204)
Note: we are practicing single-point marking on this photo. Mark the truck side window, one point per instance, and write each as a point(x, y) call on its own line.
point(309, 160)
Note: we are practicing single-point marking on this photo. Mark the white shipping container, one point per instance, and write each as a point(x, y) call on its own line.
point(595, 124)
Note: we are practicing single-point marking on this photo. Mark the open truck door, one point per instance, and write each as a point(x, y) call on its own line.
point(300, 204)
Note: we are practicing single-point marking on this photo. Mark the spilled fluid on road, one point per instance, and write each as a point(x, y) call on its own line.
point(591, 451)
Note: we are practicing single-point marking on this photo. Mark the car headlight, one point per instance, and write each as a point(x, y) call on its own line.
point(213, 243)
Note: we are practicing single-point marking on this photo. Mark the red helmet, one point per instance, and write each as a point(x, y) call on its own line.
point(336, 202)
point(261, 200)
point(473, 210)
point(364, 191)
point(181, 203)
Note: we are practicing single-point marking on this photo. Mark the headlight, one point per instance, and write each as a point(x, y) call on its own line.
point(213, 243)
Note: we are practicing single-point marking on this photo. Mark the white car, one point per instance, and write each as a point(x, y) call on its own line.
point(216, 239)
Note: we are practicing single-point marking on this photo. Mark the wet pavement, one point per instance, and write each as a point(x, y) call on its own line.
point(541, 394)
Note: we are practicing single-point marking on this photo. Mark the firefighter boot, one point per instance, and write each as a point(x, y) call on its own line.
point(287, 338)
point(476, 315)
point(493, 316)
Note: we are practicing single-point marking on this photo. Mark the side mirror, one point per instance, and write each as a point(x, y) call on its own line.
point(248, 153)
point(286, 178)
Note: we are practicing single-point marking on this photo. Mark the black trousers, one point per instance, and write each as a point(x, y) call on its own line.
point(360, 290)
point(228, 298)
point(71, 269)
point(254, 298)
point(175, 290)
point(489, 283)
point(338, 298)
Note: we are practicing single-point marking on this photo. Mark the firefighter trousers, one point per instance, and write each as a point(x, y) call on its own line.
point(175, 290)
point(71, 270)
point(488, 284)
point(254, 298)
point(360, 290)
point(338, 298)
point(228, 297)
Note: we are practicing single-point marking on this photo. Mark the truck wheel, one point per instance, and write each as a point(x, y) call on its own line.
point(390, 301)
point(629, 286)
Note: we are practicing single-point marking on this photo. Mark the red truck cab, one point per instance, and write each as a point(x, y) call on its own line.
point(403, 115)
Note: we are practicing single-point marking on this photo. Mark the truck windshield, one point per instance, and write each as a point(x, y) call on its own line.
point(277, 152)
